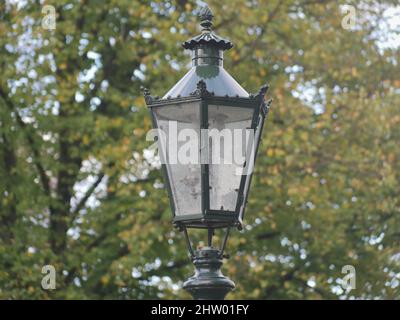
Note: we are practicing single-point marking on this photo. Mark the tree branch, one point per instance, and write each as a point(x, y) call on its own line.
point(10, 206)
point(267, 235)
point(88, 193)
point(255, 42)
point(44, 179)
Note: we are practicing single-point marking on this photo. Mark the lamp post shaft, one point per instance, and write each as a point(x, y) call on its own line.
point(208, 282)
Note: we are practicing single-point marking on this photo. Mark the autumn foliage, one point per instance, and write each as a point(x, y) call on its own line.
point(80, 192)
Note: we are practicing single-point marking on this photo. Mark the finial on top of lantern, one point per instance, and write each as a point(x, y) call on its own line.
point(207, 37)
point(206, 17)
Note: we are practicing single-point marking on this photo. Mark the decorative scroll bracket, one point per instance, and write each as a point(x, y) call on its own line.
point(260, 95)
point(201, 90)
point(148, 97)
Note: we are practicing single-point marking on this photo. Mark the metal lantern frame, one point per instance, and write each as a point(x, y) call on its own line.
point(208, 84)
point(211, 218)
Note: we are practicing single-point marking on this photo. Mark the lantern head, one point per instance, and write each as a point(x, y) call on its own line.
point(209, 130)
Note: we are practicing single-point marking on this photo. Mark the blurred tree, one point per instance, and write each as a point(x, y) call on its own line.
point(80, 191)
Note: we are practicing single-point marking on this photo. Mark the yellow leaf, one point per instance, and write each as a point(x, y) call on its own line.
point(85, 139)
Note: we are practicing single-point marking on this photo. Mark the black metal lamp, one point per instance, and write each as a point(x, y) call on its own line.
point(208, 193)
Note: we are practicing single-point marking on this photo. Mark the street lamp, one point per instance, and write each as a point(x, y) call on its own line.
point(208, 189)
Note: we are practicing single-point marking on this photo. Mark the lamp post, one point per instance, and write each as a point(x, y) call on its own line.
point(210, 190)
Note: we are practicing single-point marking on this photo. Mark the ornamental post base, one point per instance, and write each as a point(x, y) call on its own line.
point(208, 282)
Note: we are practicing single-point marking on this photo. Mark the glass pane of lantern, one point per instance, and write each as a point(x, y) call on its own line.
point(227, 153)
point(246, 188)
point(182, 154)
